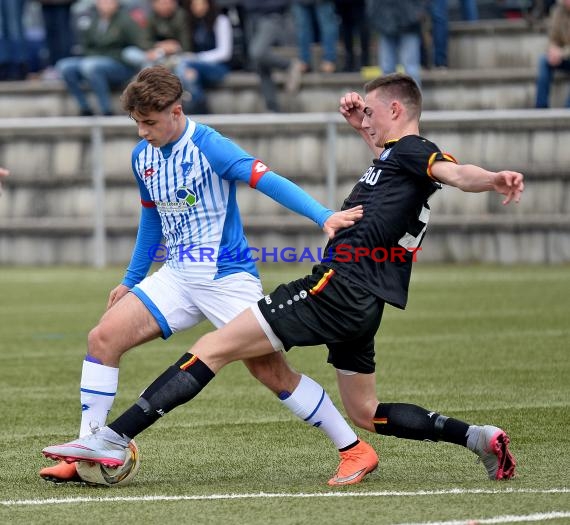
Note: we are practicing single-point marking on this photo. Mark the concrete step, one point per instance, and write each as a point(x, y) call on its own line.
point(496, 43)
point(51, 160)
point(543, 195)
point(529, 239)
point(39, 150)
point(289, 223)
point(47, 214)
point(452, 89)
point(483, 44)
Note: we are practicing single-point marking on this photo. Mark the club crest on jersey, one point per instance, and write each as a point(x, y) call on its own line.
point(186, 167)
point(187, 195)
point(385, 154)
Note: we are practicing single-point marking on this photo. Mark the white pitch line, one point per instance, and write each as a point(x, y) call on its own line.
point(500, 519)
point(265, 495)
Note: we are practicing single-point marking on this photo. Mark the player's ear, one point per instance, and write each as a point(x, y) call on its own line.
point(177, 110)
point(396, 108)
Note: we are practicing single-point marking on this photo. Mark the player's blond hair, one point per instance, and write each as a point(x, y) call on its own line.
point(154, 89)
point(401, 87)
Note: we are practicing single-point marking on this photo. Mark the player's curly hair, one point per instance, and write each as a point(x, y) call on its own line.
point(154, 89)
point(401, 87)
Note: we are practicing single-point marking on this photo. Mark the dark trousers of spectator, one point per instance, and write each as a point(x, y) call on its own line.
point(354, 22)
point(439, 31)
point(59, 35)
point(440, 26)
point(544, 81)
point(13, 48)
point(263, 32)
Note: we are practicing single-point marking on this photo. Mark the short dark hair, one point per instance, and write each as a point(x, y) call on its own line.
point(401, 87)
point(154, 89)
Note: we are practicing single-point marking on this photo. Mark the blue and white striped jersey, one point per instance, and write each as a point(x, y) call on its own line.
point(191, 184)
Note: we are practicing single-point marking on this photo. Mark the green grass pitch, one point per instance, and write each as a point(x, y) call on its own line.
point(485, 344)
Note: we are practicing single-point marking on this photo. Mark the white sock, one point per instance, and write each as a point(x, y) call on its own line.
point(98, 389)
point(311, 403)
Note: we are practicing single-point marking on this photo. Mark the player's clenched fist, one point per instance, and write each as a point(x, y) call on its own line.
point(352, 109)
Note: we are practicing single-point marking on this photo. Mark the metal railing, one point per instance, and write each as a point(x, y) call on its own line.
point(96, 127)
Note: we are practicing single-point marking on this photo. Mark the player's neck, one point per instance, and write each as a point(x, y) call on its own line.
point(180, 128)
point(403, 131)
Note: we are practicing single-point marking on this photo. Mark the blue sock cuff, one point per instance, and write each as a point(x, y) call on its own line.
point(91, 359)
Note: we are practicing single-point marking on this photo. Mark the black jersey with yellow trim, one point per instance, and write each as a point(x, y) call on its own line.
point(377, 252)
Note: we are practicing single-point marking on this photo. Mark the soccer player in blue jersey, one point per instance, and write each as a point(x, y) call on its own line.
point(187, 175)
point(341, 302)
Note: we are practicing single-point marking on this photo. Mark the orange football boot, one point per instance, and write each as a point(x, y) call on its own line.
point(355, 463)
point(61, 473)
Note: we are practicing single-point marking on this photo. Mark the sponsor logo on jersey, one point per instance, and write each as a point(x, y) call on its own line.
point(258, 169)
point(187, 195)
point(149, 172)
point(371, 175)
point(172, 207)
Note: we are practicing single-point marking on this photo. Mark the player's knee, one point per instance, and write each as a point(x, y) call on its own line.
point(99, 346)
point(273, 372)
point(213, 351)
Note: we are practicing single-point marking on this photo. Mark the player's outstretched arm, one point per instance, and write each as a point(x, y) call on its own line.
point(471, 178)
point(342, 219)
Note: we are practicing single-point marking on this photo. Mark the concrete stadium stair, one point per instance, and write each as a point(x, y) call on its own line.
point(492, 66)
point(478, 110)
point(47, 212)
point(505, 88)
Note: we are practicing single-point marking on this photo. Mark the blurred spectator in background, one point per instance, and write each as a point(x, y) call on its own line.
point(166, 34)
point(59, 36)
point(541, 8)
point(109, 31)
point(324, 12)
point(353, 22)
point(265, 21)
point(469, 10)
point(557, 56)
point(3, 173)
point(399, 24)
point(13, 49)
point(209, 61)
point(439, 11)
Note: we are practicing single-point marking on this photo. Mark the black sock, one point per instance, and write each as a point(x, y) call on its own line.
point(413, 422)
point(352, 445)
point(177, 385)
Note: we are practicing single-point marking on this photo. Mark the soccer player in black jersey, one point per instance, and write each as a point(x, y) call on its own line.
point(340, 303)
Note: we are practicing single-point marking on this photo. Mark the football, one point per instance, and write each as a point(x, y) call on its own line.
point(96, 474)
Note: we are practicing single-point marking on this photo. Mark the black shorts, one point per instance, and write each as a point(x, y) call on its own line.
point(325, 308)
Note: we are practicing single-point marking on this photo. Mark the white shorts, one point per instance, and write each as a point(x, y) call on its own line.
point(178, 304)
